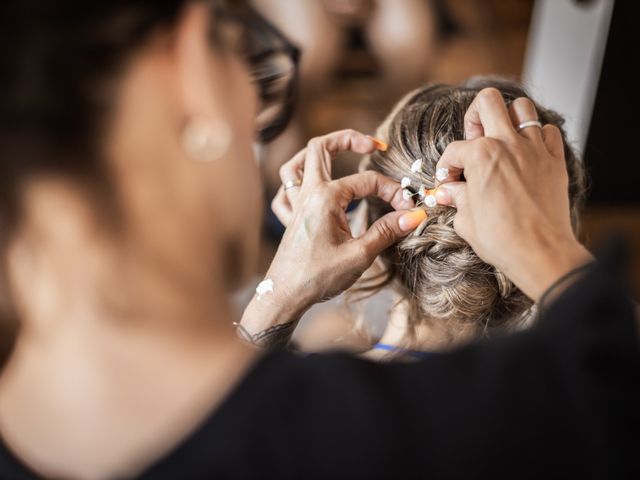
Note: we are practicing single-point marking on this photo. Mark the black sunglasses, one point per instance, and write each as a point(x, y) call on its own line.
point(273, 62)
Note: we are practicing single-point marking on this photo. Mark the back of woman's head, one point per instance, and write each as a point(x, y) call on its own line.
point(440, 275)
point(66, 70)
point(59, 62)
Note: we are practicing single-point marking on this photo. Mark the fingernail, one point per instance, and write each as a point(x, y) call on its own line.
point(441, 174)
point(410, 220)
point(442, 196)
point(380, 145)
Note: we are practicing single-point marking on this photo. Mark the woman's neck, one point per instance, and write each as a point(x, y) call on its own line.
point(115, 359)
point(422, 336)
point(65, 266)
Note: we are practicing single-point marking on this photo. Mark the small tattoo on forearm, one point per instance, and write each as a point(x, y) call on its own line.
point(274, 337)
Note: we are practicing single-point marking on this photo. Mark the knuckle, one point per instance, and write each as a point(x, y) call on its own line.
point(384, 231)
point(322, 195)
point(315, 142)
point(487, 147)
point(451, 150)
point(347, 137)
point(456, 144)
point(370, 176)
point(520, 149)
point(364, 251)
point(552, 130)
point(490, 94)
point(523, 104)
point(332, 190)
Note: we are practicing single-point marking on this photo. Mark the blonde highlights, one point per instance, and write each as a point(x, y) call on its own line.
point(437, 272)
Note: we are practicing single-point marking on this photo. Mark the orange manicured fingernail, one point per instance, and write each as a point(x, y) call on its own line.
point(380, 145)
point(410, 220)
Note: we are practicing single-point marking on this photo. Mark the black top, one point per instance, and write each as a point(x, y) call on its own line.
point(561, 400)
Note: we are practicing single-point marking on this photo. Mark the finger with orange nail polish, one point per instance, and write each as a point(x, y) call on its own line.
point(380, 145)
point(410, 220)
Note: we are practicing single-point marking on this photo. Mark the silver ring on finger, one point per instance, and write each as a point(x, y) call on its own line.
point(291, 184)
point(529, 123)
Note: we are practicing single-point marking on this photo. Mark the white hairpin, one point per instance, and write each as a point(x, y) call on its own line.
point(430, 201)
point(427, 197)
point(416, 166)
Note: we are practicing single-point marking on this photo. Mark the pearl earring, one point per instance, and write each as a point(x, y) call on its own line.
point(205, 139)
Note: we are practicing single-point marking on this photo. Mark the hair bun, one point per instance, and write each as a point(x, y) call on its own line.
point(449, 281)
point(442, 277)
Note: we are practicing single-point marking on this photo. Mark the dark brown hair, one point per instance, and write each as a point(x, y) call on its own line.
point(59, 65)
point(437, 271)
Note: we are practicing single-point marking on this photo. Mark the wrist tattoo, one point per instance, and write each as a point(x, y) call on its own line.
point(274, 337)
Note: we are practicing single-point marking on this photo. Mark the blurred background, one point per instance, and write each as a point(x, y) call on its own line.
point(360, 56)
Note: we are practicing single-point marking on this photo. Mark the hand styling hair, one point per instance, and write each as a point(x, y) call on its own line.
point(437, 272)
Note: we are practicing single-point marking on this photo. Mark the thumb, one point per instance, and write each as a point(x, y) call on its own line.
point(451, 193)
point(389, 229)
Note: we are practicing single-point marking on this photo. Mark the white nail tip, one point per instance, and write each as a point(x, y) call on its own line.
point(406, 181)
point(416, 166)
point(442, 173)
point(406, 194)
point(430, 201)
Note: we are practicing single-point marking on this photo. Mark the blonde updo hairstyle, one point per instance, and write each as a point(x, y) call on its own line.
point(437, 272)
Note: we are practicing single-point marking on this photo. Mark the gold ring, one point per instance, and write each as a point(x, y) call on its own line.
point(292, 184)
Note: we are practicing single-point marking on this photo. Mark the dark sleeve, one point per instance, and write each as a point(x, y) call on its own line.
point(558, 401)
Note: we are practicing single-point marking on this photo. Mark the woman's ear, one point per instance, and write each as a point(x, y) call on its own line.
point(197, 87)
point(202, 108)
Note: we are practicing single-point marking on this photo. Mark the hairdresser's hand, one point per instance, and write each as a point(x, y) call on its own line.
point(318, 257)
point(513, 207)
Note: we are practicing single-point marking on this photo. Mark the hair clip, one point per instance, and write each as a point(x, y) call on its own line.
point(430, 200)
point(407, 194)
point(427, 196)
point(416, 166)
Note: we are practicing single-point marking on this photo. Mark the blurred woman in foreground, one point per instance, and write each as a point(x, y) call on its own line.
point(129, 213)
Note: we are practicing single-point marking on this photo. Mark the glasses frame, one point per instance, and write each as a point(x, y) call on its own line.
point(260, 40)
